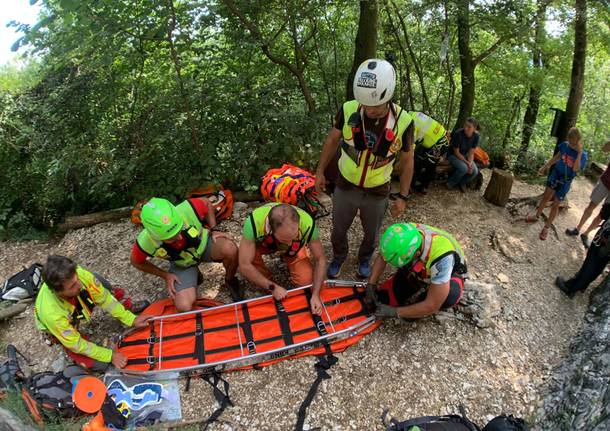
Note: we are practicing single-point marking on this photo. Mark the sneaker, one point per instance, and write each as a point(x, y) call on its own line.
point(236, 290)
point(364, 270)
point(572, 232)
point(561, 284)
point(585, 240)
point(334, 269)
point(136, 307)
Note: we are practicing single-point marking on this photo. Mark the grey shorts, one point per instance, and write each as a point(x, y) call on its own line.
point(599, 193)
point(189, 275)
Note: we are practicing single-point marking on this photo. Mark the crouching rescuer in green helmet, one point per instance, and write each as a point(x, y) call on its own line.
point(177, 233)
point(430, 276)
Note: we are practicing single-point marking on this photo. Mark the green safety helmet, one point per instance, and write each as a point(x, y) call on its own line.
point(161, 219)
point(399, 243)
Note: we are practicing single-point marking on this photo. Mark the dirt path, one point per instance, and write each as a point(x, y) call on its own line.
point(410, 368)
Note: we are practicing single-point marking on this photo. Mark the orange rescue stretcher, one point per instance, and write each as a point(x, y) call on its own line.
point(254, 332)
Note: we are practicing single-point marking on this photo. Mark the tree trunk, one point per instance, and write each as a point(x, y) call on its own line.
point(467, 64)
point(366, 40)
point(578, 69)
point(514, 113)
point(416, 65)
point(533, 103)
point(408, 100)
point(171, 27)
point(499, 187)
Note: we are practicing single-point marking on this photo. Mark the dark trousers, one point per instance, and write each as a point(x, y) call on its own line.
point(426, 160)
point(591, 268)
point(424, 170)
point(346, 204)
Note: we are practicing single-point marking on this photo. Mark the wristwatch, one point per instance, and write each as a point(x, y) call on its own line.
point(401, 196)
point(271, 287)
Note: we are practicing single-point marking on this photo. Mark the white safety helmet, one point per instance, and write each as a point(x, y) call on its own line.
point(374, 82)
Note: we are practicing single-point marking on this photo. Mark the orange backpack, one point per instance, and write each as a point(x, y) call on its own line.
point(291, 185)
point(220, 198)
point(481, 157)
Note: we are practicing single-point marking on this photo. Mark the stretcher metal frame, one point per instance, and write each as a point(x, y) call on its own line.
point(256, 358)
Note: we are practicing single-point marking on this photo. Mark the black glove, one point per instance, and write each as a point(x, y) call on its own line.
point(384, 311)
point(371, 293)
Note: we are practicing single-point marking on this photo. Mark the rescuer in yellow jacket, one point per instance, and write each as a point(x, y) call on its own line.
point(430, 145)
point(370, 132)
point(67, 297)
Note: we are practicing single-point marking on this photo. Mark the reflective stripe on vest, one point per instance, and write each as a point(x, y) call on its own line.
point(258, 218)
point(194, 234)
point(437, 244)
point(427, 129)
point(363, 168)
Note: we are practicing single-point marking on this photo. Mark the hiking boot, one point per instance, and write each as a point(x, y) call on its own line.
point(136, 307)
point(572, 232)
point(334, 269)
point(561, 284)
point(364, 270)
point(236, 290)
point(585, 240)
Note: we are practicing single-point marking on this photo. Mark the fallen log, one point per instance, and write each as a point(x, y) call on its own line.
point(244, 196)
point(77, 222)
point(12, 311)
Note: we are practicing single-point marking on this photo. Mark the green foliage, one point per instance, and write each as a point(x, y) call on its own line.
point(126, 99)
point(14, 403)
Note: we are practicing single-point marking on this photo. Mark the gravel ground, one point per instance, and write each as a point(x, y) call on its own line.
point(417, 368)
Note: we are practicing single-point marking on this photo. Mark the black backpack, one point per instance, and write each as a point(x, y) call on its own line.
point(455, 423)
point(48, 395)
point(24, 284)
point(506, 423)
point(432, 423)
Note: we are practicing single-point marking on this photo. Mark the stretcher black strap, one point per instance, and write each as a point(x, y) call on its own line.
point(322, 366)
point(247, 327)
point(151, 347)
point(223, 398)
point(199, 352)
point(284, 322)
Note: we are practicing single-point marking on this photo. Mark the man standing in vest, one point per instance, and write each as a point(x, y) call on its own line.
point(66, 298)
point(430, 276)
point(371, 133)
point(291, 232)
point(177, 234)
point(430, 145)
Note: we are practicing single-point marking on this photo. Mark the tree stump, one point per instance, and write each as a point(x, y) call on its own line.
point(499, 187)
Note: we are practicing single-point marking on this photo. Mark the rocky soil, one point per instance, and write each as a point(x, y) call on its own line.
point(415, 368)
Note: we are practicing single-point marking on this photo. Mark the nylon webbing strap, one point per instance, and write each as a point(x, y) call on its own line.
point(199, 353)
point(324, 363)
point(223, 398)
point(247, 326)
point(320, 325)
point(151, 347)
point(284, 322)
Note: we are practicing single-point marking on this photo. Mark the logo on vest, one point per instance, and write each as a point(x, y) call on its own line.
point(367, 80)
